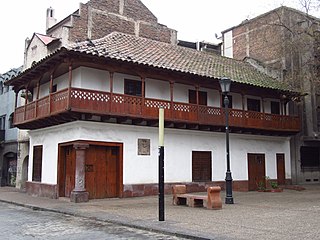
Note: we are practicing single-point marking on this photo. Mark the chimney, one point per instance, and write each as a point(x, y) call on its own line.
point(50, 20)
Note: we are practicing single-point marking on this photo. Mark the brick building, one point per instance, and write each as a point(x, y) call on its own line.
point(96, 19)
point(284, 43)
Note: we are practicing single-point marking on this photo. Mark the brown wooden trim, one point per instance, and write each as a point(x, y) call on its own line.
point(25, 102)
point(171, 98)
point(50, 91)
point(111, 74)
point(143, 91)
point(16, 100)
point(69, 85)
point(243, 101)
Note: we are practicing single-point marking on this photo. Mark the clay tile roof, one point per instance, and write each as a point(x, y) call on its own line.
point(10, 74)
point(157, 54)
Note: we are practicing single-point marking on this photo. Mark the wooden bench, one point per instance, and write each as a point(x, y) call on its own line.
point(211, 201)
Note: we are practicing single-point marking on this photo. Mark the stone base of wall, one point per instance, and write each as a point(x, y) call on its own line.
point(42, 190)
point(139, 190)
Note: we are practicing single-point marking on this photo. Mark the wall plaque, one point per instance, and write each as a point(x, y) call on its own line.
point(143, 146)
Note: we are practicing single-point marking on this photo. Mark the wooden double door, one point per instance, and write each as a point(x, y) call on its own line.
point(103, 170)
point(257, 170)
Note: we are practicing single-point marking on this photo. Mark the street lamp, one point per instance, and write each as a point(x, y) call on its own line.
point(225, 88)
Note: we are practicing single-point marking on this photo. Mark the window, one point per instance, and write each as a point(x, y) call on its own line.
point(11, 121)
point(202, 97)
point(230, 101)
point(310, 157)
point(132, 87)
point(275, 107)
point(253, 105)
point(1, 87)
point(54, 88)
point(37, 163)
point(3, 122)
point(201, 166)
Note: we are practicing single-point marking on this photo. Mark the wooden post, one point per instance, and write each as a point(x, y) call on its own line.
point(197, 100)
point(263, 109)
point(25, 102)
point(69, 86)
point(171, 99)
point(111, 89)
point(243, 109)
point(16, 99)
point(50, 91)
point(142, 93)
point(37, 97)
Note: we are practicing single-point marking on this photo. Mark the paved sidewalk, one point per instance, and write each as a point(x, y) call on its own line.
point(255, 215)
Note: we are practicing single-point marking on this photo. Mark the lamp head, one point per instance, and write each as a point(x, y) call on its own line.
point(225, 84)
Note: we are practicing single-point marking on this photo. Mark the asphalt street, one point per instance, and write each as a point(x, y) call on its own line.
point(23, 223)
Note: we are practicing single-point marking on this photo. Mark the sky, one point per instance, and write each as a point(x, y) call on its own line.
point(195, 20)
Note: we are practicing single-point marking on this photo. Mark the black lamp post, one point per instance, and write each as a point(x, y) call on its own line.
point(225, 88)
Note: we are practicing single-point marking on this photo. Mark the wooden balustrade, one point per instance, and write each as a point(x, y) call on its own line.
point(105, 103)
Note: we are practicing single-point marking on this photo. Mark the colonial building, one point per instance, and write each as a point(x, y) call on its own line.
point(92, 20)
point(284, 43)
point(93, 118)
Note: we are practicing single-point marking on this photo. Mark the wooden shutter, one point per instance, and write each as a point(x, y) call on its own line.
point(201, 166)
point(37, 163)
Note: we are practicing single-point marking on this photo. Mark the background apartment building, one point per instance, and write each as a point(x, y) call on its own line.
point(284, 43)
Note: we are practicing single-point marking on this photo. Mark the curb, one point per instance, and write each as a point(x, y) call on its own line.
point(117, 222)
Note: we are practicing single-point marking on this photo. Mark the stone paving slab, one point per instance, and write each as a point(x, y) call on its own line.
point(255, 215)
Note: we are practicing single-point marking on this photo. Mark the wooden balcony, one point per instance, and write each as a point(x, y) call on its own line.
point(65, 106)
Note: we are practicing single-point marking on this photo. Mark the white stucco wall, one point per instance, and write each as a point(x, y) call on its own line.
point(44, 90)
point(181, 93)
point(35, 52)
point(157, 89)
point(89, 78)
point(62, 81)
point(228, 44)
point(236, 101)
point(179, 145)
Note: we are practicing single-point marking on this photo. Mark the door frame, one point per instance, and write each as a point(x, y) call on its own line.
point(283, 158)
point(264, 169)
point(96, 143)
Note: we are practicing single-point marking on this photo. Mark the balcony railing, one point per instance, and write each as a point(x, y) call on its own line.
point(113, 104)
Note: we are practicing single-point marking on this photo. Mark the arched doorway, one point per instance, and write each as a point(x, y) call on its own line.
point(24, 173)
point(9, 169)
